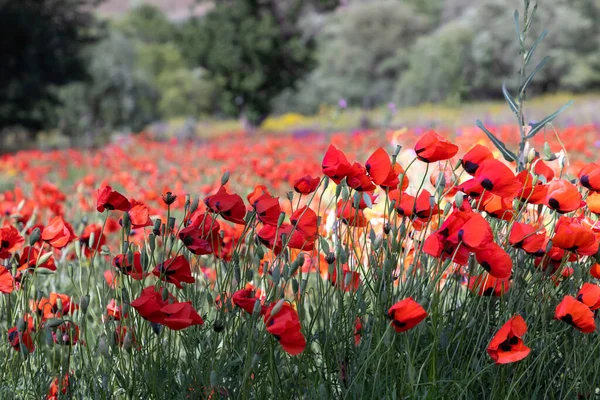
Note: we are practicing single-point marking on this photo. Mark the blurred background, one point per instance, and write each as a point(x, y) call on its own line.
point(77, 72)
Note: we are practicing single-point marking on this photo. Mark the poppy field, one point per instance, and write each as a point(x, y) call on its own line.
point(391, 264)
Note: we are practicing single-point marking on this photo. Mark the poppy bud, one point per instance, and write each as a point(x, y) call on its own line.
point(171, 224)
point(126, 221)
point(54, 322)
point(290, 195)
point(257, 307)
point(84, 302)
point(457, 164)
point(213, 378)
point(249, 274)
point(255, 360)
point(280, 220)
point(103, 347)
point(45, 257)
point(295, 286)
point(156, 327)
point(387, 228)
point(194, 205)
point(152, 241)
point(225, 178)
point(356, 199)
point(277, 308)
point(259, 252)
point(105, 250)
point(187, 201)
point(218, 326)
point(447, 208)
point(165, 294)
point(128, 341)
point(156, 228)
point(35, 236)
point(276, 275)
point(330, 258)
point(286, 272)
point(169, 198)
point(91, 240)
point(78, 249)
point(531, 155)
point(21, 325)
point(325, 182)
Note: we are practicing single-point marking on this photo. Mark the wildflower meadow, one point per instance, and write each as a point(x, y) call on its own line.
point(366, 264)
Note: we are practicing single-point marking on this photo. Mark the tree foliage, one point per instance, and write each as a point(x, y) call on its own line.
point(252, 51)
point(41, 42)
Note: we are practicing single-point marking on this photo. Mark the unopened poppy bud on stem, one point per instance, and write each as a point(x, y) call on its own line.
point(225, 178)
point(277, 308)
point(35, 236)
point(281, 219)
point(84, 303)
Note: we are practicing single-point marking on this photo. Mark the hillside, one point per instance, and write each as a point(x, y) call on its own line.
point(175, 9)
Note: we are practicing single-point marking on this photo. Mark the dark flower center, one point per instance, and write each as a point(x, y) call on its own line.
point(487, 184)
point(568, 319)
point(553, 203)
point(470, 166)
point(585, 181)
point(4, 244)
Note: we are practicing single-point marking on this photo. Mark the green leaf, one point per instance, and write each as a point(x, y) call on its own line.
point(509, 99)
point(507, 154)
point(535, 128)
point(532, 74)
point(534, 46)
point(517, 28)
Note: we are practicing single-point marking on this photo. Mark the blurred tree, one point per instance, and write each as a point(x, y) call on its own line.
point(362, 50)
point(252, 50)
point(117, 96)
point(41, 43)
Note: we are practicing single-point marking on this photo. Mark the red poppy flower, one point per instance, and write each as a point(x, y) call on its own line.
point(132, 267)
point(175, 270)
point(572, 236)
point(379, 166)
point(180, 315)
point(462, 233)
point(495, 261)
point(258, 191)
point(431, 147)
point(267, 209)
point(593, 202)
point(30, 257)
point(150, 302)
point(58, 233)
point(10, 241)
point(487, 285)
point(358, 179)
point(7, 282)
point(496, 206)
point(589, 177)
point(527, 237)
point(471, 160)
point(409, 206)
point(507, 345)
point(139, 215)
point(392, 181)
point(541, 168)
point(230, 206)
point(56, 305)
point(335, 164)
point(306, 185)
point(55, 388)
point(563, 196)
point(495, 177)
point(21, 341)
point(246, 299)
point(595, 271)
point(589, 294)
point(287, 235)
point(66, 334)
point(406, 314)
point(201, 237)
point(350, 280)
point(114, 311)
point(306, 222)
point(109, 199)
point(576, 314)
point(349, 215)
point(285, 327)
point(532, 194)
point(99, 238)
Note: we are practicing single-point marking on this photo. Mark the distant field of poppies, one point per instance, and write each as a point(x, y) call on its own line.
point(349, 265)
